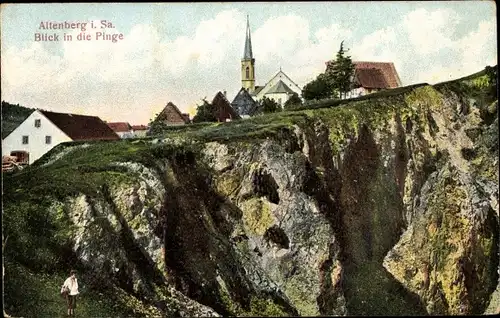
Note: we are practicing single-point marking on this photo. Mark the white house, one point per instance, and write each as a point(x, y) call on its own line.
point(140, 130)
point(43, 130)
point(124, 130)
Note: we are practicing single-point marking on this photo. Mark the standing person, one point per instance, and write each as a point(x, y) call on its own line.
point(71, 285)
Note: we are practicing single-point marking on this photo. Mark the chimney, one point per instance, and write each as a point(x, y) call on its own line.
point(225, 94)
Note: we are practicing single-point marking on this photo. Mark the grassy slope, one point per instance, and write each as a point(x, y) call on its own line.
point(33, 294)
point(36, 239)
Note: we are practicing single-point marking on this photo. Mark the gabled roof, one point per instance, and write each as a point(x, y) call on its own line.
point(172, 114)
point(243, 92)
point(81, 127)
point(280, 87)
point(186, 116)
point(223, 108)
point(257, 89)
point(243, 103)
point(281, 75)
point(387, 68)
point(120, 126)
point(371, 78)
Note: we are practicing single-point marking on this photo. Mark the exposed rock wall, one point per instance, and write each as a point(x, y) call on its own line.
point(381, 206)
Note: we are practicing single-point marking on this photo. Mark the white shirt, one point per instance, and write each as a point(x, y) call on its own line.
point(72, 284)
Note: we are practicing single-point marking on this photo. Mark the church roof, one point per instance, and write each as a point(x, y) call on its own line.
point(257, 90)
point(280, 87)
point(282, 74)
point(247, 55)
point(270, 86)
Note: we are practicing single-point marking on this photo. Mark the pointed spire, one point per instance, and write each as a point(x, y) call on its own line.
point(248, 43)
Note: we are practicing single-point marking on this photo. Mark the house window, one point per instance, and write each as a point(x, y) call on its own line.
point(48, 140)
point(38, 123)
point(25, 140)
point(248, 72)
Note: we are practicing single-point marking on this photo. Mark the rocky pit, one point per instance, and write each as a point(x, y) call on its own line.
point(381, 206)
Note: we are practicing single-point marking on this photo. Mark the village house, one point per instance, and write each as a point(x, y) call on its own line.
point(244, 104)
point(122, 129)
point(172, 116)
point(43, 130)
point(279, 88)
point(223, 109)
point(371, 77)
point(140, 130)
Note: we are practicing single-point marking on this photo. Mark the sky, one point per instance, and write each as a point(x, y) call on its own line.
point(184, 52)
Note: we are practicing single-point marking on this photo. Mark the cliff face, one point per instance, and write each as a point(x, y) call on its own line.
point(383, 205)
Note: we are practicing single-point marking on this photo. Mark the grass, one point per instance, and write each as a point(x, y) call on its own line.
point(34, 294)
point(83, 170)
point(255, 128)
point(327, 103)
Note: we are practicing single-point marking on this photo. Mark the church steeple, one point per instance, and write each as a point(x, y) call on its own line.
point(248, 43)
point(248, 63)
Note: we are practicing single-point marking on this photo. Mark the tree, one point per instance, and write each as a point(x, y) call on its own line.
point(318, 88)
point(268, 105)
point(294, 100)
point(341, 72)
point(152, 121)
point(205, 113)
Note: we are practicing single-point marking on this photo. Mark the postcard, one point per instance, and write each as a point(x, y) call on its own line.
point(250, 159)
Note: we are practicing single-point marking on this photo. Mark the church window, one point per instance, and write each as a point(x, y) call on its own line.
point(248, 72)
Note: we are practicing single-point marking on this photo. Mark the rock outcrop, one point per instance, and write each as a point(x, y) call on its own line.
point(381, 205)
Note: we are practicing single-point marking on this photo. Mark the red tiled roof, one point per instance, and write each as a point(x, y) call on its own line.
point(387, 68)
point(223, 109)
point(172, 115)
point(371, 78)
point(81, 127)
point(140, 127)
point(120, 127)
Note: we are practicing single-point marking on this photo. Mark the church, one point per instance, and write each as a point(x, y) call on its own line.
point(279, 88)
